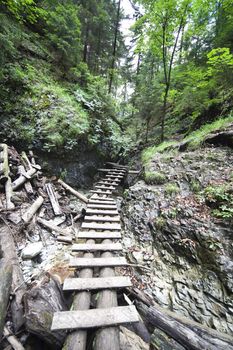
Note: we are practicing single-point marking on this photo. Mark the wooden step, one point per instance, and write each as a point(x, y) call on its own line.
point(101, 192)
point(120, 177)
point(97, 262)
point(102, 187)
point(111, 183)
point(98, 235)
point(81, 284)
point(101, 202)
point(101, 212)
point(113, 316)
point(112, 169)
point(105, 218)
point(111, 179)
point(95, 226)
point(97, 197)
point(96, 247)
point(101, 206)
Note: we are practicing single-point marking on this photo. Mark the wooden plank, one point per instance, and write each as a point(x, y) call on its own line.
point(96, 283)
point(110, 170)
point(99, 235)
point(111, 176)
point(95, 226)
point(118, 166)
point(104, 198)
point(94, 318)
point(53, 199)
point(101, 192)
point(98, 262)
point(101, 212)
point(102, 206)
point(107, 187)
point(96, 247)
point(105, 218)
point(100, 201)
point(108, 182)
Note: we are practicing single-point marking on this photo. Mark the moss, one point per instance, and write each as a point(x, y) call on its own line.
point(152, 177)
point(172, 188)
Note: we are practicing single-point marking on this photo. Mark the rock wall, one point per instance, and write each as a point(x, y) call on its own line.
point(184, 252)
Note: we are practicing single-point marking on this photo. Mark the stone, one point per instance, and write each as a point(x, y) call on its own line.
point(32, 250)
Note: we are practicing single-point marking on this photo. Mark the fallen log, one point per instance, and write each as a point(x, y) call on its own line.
point(190, 334)
point(41, 302)
point(5, 178)
point(27, 184)
point(53, 199)
point(30, 212)
point(12, 340)
point(64, 239)
point(63, 232)
point(5, 288)
point(18, 287)
point(23, 178)
point(73, 191)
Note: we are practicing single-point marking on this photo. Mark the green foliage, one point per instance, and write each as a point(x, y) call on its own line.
point(25, 10)
point(220, 199)
point(154, 177)
point(149, 153)
point(172, 188)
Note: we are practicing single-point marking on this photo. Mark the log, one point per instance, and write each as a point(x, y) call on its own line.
point(77, 340)
point(73, 191)
point(41, 302)
point(16, 345)
point(22, 178)
point(26, 161)
point(27, 184)
point(190, 334)
point(5, 178)
point(107, 338)
point(54, 228)
point(5, 288)
point(18, 287)
point(64, 239)
point(53, 199)
point(30, 212)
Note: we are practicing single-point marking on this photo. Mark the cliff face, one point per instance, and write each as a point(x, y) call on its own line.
point(180, 229)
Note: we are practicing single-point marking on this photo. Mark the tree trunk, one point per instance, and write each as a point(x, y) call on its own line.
point(114, 48)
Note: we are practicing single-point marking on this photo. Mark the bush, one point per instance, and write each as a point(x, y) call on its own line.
point(172, 188)
point(152, 177)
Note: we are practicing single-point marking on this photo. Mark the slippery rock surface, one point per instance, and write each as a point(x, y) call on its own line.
point(184, 253)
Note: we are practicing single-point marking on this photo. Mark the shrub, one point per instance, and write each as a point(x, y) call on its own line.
point(172, 188)
point(152, 177)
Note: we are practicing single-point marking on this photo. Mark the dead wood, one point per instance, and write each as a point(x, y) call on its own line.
point(53, 199)
point(73, 191)
point(11, 338)
point(30, 212)
point(5, 178)
point(27, 184)
point(41, 302)
point(63, 232)
point(23, 178)
point(5, 288)
point(18, 287)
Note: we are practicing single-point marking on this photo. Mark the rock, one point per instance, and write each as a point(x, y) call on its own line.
point(32, 250)
point(131, 341)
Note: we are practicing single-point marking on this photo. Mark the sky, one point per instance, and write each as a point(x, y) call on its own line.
point(127, 23)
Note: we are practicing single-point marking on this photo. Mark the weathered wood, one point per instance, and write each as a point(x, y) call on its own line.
point(99, 235)
point(96, 247)
point(16, 345)
point(22, 178)
point(64, 239)
point(41, 302)
point(106, 187)
point(82, 300)
point(134, 172)
point(64, 232)
point(5, 288)
point(101, 201)
point(102, 206)
point(95, 197)
point(107, 338)
point(102, 218)
point(27, 184)
point(96, 283)
point(26, 161)
point(18, 287)
point(110, 182)
point(101, 192)
point(95, 226)
point(94, 318)
point(188, 333)
point(118, 171)
point(73, 191)
point(30, 212)
point(5, 178)
point(101, 212)
point(53, 199)
point(97, 262)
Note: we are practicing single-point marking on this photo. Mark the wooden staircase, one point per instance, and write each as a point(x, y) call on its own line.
point(101, 222)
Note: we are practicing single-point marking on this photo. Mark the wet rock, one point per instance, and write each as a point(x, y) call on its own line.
point(32, 250)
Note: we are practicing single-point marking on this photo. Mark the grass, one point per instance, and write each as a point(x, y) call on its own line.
point(154, 177)
point(172, 188)
point(149, 153)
